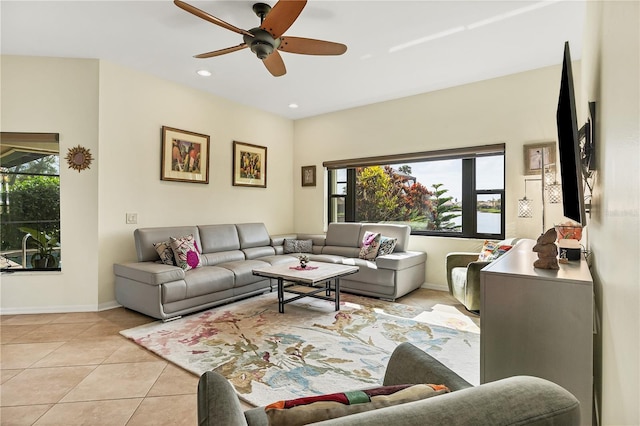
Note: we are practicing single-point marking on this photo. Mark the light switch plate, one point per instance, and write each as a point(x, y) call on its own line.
point(132, 218)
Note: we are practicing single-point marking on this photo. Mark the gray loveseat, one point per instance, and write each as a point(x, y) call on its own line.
point(520, 400)
point(230, 252)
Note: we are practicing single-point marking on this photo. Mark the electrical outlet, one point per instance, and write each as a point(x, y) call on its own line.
point(132, 218)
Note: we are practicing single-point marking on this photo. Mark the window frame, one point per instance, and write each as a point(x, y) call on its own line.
point(470, 193)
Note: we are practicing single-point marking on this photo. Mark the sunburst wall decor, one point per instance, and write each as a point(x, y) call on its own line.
point(79, 158)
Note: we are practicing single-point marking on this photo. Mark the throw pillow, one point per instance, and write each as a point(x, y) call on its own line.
point(387, 245)
point(491, 250)
point(186, 252)
point(297, 246)
point(165, 252)
point(370, 244)
point(314, 409)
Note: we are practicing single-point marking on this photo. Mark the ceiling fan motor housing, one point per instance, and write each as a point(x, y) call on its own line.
point(262, 43)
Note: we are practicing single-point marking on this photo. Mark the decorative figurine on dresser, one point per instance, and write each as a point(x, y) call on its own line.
point(547, 251)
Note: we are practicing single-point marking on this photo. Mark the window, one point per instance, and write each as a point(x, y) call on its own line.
point(29, 201)
point(456, 192)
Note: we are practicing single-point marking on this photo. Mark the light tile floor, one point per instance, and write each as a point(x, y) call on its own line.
point(75, 369)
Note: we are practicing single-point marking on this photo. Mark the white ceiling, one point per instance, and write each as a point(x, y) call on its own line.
point(159, 38)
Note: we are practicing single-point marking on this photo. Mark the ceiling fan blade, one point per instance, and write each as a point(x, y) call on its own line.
point(275, 64)
point(204, 15)
point(221, 51)
point(310, 46)
point(281, 16)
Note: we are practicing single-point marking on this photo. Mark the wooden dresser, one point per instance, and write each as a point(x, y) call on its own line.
point(538, 322)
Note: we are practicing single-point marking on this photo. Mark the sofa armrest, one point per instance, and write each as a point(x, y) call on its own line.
point(149, 272)
point(218, 403)
point(401, 260)
point(408, 364)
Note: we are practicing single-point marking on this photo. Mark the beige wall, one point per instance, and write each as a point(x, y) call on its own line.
point(59, 96)
point(133, 108)
point(514, 110)
point(118, 114)
point(612, 77)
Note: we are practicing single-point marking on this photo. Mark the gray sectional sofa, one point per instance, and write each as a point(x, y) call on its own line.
point(230, 252)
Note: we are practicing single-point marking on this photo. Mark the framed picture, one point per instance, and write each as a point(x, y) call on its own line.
point(249, 165)
point(308, 175)
point(533, 156)
point(185, 156)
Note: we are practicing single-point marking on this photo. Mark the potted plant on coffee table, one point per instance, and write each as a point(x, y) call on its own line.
point(45, 244)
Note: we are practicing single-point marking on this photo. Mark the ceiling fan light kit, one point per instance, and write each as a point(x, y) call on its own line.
point(266, 40)
point(262, 43)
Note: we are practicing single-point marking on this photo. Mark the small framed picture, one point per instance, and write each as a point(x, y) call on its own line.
point(249, 165)
point(185, 156)
point(308, 175)
point(534, 154)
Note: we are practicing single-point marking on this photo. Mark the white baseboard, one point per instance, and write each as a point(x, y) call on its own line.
point(109, 305)
point(437, 287)
point(59, 309)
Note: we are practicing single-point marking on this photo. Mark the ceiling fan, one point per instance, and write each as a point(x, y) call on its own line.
point(267, 39)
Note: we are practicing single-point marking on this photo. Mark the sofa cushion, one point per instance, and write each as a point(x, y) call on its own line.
point(256, 252)
point(297, 246)
point(353, 251)
point(314, 409)
point(253, 235)
point(387, 245)
point(217, 238)
point(198, 282)
point(401, 232)
point(370, 245)
point(165, 252)
point(459, 279)
point(343, 235)
point(212, 259)
point(186, 252)
point(243, 271)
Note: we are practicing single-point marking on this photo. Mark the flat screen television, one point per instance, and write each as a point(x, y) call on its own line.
point(569, 146)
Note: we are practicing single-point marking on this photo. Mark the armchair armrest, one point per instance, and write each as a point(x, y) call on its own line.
point(218, 403)
point(456, 260)
point(408, 364)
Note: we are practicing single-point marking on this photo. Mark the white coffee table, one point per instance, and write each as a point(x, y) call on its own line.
point(315, 273)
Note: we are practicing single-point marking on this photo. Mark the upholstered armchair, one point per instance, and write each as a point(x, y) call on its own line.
point(463, 278)
point(463, 271)
point(518, 400)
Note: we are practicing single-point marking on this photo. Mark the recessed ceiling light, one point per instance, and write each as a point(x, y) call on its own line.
point(293, 105)
point(204, 73)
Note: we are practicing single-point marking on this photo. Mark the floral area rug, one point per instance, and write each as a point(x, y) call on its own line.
point(311, 348)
